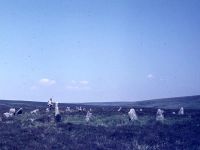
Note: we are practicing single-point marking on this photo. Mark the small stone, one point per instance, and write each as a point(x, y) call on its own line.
point(19, 111)
point(120, 108)
point(7, 115)
point(35, 111)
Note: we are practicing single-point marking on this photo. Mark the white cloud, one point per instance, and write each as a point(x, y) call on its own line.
point(73, 82)
point(41, 83)
point(46, 82)
point(162, 79)
point(33, 87)
point(84, 82)
point(72, 87)
point(78, 85)
point(150, 76)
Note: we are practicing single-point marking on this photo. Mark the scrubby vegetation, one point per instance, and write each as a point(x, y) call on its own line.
point(107, 129)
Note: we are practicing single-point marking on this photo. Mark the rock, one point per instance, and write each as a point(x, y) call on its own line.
point(47, 109)
point(181, 111)
point(132, 114)
point(50, 103)
point(12, 111)
point(35, 111)
point(56, 109)
point(88, 116)
point(57, 113)
point(78, 108)
point(68, 109)
point(19, 111)
point(119, 109)
point(159, 115)
point(7, 115)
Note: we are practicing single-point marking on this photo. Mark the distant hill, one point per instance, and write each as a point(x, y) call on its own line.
point(190, 102)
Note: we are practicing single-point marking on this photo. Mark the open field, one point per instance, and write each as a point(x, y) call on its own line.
point(108, 129)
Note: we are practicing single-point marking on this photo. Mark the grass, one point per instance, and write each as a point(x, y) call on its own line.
point(108, 129)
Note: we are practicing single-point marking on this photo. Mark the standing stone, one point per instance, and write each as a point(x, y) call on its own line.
point(88, 116)
point(159, 115)
point(47, 110)
point(181, 111)
point(50, 103)
point(57, 113)
point(68, 109)
point(120, 108)
point(12, 111)
point(132, 114)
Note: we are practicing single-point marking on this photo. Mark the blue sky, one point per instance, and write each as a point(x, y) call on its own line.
point(99, 50)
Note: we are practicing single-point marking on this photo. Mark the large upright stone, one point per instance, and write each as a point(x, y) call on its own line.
point(132, 114)
point(57, 113)
point(181, 111)
point(88, 116)
point(159, 115)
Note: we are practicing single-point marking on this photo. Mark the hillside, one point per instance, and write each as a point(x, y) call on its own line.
point(106, 129)
point(189, 102)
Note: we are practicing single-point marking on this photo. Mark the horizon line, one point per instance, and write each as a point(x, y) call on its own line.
point(22, 100)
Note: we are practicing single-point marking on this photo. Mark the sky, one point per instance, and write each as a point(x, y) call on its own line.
point(99, 50)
